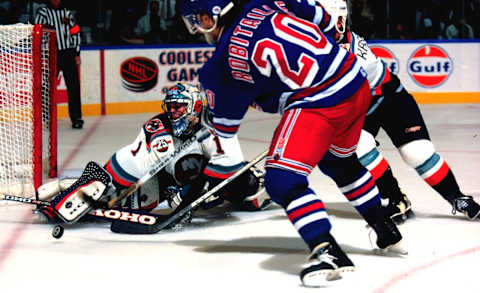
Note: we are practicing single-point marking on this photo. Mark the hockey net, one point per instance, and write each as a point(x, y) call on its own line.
point(28, 119)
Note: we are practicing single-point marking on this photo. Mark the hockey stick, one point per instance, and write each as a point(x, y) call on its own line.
point(199, 136)
point(133, 222)
point(183, 208)
point(127, 215)
point(24, 200)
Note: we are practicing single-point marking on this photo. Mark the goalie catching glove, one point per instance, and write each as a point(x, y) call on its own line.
point(75, 201)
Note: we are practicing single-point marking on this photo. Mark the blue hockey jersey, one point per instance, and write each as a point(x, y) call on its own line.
point(276, 61)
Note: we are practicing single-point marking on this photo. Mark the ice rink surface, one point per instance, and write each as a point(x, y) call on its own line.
point(225, 251)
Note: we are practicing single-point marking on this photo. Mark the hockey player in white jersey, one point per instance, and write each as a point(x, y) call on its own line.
point(200, 166)
point(396, 111)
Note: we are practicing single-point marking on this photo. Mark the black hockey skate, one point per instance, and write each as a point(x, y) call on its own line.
point(388, 237)
point(466, 204)
point(326, 263)
point(395, 202)
point(399, 209)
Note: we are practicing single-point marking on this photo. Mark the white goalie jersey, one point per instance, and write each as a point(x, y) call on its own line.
point(211, 154)
point(214, 156)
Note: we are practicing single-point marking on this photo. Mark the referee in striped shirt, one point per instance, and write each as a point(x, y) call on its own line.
point(68, 57)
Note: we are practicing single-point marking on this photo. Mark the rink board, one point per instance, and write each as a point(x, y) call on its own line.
point(133, 79)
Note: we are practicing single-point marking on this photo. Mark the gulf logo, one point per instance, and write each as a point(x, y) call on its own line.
point(388, 57)
point(429, 66)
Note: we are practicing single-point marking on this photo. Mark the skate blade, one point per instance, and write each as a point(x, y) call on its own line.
point(346, 270)
point(320, 279)
point(396, 249)
point(476, 217)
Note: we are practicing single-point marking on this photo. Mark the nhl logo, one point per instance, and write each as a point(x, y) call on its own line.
point(139, 74)
point(429, 66)
point(387, 56)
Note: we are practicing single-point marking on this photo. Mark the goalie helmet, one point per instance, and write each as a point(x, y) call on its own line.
point(338, 9)
point(191, 9)
point(183, 105)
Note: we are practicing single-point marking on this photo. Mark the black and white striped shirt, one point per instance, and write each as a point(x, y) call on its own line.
point(68, 32)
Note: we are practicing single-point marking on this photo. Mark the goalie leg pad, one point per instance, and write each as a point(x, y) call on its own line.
point(75, 201)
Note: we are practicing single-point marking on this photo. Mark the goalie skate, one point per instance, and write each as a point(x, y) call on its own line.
point(75, 201)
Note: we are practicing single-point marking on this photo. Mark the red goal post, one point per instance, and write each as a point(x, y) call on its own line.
point(28, 110)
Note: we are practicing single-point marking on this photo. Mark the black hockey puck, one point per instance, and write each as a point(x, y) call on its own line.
point(57, 231)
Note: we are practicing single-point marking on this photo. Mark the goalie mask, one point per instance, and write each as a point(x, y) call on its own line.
point(338, 9)
point(183, 105)
point(192, 9)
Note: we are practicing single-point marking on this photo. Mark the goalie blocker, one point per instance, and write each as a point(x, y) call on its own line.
point(76, 201)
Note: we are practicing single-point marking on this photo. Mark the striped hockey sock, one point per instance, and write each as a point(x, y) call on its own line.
point(307, 214)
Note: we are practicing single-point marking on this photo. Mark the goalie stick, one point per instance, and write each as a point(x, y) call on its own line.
point(199, 136)
point(24, 200)
point(138, 222)
point(182, 209)
point(141, 217)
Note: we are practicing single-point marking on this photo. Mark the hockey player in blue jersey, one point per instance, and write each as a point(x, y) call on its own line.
point(396, 111)
point(279, 63)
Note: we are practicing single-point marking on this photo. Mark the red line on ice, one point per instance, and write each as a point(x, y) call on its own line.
point(406, 275)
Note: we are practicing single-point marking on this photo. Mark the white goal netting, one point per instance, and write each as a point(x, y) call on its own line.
point(27, 108)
